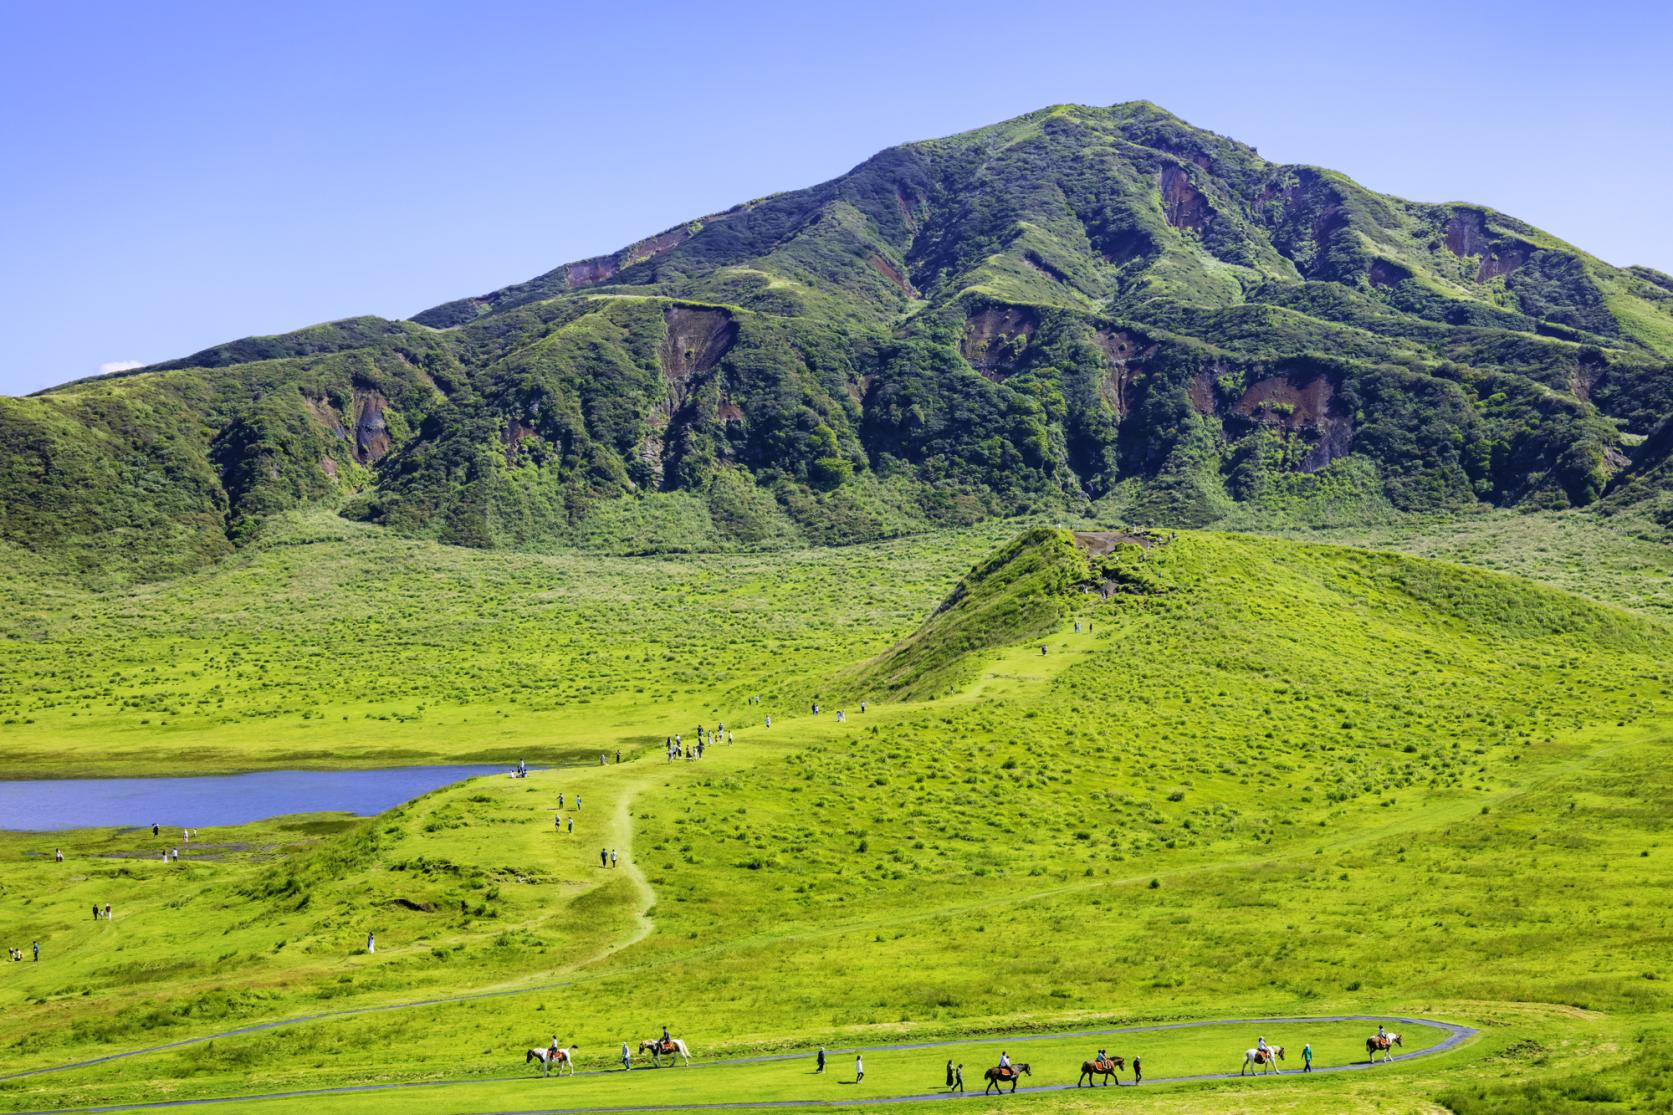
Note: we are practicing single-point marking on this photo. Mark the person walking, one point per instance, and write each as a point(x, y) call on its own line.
point(58, 855)
point(603, 857)
point(859, 1068)
point(618, 756)
point(107, 911)
point(1138, 1072)
point(95, 911)
point(958, 1079)
point(612, 857)
point(37, 952)
point(1307, 1057)
point(371, 942)
point(819, 1063)
point(627, 1058)
point(557, 823)
point(949, 1074)
point(572, 825)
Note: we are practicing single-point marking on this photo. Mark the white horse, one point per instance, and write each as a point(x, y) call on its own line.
point(550, 1057)
point(1267, 1061)
point(655, 1049)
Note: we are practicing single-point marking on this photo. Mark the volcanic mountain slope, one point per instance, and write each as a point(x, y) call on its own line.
point(1081, 304)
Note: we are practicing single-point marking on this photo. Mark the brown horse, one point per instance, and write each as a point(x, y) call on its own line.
point(1107, 1067)
point(997, 1076)
point(1375, 1045)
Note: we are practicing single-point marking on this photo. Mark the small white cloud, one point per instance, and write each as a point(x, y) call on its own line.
point(119, 366)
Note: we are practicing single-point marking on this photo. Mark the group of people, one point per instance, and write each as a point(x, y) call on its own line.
point(97, 914)
point(17, 954)
point(676, 747)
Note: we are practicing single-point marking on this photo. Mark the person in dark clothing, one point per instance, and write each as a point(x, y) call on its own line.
point(1138, 1073)
point(949, 1074)
point(821, 1062)
point(958, 1079)
point(604, 857)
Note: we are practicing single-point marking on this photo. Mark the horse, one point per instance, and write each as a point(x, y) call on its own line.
point(997, 1076)
point(1375, 1045)
point(1267, 1061)
point(549, 1057)
point(1106, 1067)
point(675, 1047)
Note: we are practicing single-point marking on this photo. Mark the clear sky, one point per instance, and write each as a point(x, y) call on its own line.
point(175, 174)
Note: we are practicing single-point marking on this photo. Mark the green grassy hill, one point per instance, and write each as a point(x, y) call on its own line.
point(1265, 779)
point(1081, 306)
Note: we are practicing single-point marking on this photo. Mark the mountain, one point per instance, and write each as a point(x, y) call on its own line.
point(1081, 307)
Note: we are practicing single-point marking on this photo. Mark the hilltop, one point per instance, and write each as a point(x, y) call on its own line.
point(1101, 308)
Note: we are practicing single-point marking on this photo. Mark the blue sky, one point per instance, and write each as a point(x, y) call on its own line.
point(173, 175)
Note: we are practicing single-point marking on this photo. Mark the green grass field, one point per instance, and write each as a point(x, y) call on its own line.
point(1284, 780)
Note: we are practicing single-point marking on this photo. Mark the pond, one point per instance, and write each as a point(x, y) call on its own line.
point(226, 799)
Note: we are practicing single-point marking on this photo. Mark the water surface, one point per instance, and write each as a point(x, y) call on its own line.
point(222, 799)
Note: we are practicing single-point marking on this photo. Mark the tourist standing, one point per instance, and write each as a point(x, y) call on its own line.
point(1138, 1072)
point(859, 1068)
point(819, 1065)
point(371, 942)
point(1307, 1057)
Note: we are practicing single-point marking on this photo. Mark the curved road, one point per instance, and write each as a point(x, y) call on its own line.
point(1455, 1035)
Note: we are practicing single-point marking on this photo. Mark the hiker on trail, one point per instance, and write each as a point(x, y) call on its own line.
point(958, 1079)
point(618, 755)
point(862, 706)
point(728, 737)
point(1307, 1057)
point(859, 1069)
point(577, 803)
point(819, 1065)
point(37, 952)
point(1138, 1073)
point(557, 823)
point(1042, 648)
point(371, 942)
point(572, 824)
point(107, 911)
point(612, 857)
point(627, 1058)
point(949, 1073)
point(95, 911)
point(603, 858)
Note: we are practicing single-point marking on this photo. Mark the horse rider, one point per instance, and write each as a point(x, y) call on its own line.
point(1382, 1034)
point(552, 1050)
point(1004, 1061)
point(666, 1040)
point(1260, 1046)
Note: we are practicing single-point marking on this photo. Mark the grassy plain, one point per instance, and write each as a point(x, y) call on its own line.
point(1293, 780)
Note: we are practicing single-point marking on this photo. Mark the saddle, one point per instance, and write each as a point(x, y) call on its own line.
point(1104, 1064)
point(1382, 1043)
point(666, 1047)
point(1005, 1073)
point(1262, 1058)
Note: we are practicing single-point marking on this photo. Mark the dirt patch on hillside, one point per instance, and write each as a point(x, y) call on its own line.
point(512, 438)
point(696, 340)
point(1124, 354)
point(1183, 204)
point(892, 273)
point(995, 339)
point(1201, 391)
point(589, 271)
point(1467, 235)
point(371, 432)
point(1301, 405)
point(323, 413)
point(328, 466)
point(1102, 543)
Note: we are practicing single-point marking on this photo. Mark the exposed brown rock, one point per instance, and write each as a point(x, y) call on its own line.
point(1124, 354)
point(1183, 204)
point(512, 438)
point(892, 273)
point(371, 433)
point(328, 466)
point(995, 339)
point(1297, 405)
point(696, 340)
point(1467, 235)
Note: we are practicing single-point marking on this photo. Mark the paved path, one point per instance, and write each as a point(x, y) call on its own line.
point(1455, 1035)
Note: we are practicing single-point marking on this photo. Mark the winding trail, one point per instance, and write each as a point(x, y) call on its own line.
point(1455, 1035)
